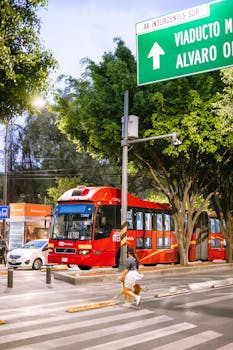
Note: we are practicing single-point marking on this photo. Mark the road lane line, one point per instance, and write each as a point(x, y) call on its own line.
point(89, 335)
point(204, 302)
point(189, 342)
point(71, 317)
point(147, 336)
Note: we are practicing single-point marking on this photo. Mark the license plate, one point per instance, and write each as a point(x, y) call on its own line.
point(13, 261)
point(64, 259)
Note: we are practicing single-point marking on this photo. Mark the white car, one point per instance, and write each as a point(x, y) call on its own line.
point(33, 254)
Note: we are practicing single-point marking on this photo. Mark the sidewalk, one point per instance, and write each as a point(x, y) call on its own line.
point(215, 274)
point(170, 279)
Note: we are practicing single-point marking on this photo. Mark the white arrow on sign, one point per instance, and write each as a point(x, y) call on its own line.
point(155, 52)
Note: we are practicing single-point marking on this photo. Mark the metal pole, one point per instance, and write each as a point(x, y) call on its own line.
point(124, 185)
point(10, 277)
point(5, 176)
point(48, 274)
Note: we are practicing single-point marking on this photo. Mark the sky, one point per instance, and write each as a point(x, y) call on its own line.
point(75, 29)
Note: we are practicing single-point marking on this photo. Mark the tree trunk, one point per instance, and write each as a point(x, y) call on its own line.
point(184, 256)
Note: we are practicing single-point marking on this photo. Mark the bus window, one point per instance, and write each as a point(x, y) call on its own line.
point(148, 221)
point(167, 242)
point(186, 222)
point(159, 222)
point(215, 242)
point(139, 243)
point(108, 217)
point(224, 223)
point(159, 242)
point(212, 225)
point(217, 226)
point(130, 219)
point(139, 221)
point(147, 243)
point(167, 222)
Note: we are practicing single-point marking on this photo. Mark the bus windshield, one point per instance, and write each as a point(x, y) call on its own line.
point(73, 221)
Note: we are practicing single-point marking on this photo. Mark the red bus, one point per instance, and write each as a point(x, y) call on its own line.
point(86, 224)
point(207, 243)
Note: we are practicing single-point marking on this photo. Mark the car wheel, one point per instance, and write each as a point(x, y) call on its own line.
point(37, 264)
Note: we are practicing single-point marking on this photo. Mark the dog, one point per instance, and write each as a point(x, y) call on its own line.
point(137, 289)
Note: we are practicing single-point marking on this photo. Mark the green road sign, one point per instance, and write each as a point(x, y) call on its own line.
point(187, 42)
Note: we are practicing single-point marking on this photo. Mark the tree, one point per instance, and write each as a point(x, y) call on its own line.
point(62, 185)
point(24, 64)
point(222, 166)
point(91, 110)
point(40, 154)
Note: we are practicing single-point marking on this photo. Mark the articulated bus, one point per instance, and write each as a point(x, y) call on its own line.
point(86, 224)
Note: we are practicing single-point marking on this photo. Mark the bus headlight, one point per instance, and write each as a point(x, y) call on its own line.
point(84, 251)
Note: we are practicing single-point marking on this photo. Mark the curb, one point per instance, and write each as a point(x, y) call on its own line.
point(193, 287)
point(101, 275)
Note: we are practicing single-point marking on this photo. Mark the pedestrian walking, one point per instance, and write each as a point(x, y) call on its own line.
point(3, 250)
point(129, 278)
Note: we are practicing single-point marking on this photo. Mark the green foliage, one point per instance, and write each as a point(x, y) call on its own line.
point(39, 153)
point(62, 185)
point(24, 64)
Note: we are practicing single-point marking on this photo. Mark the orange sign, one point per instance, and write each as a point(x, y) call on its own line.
point(17, 209)
point(32, 210)
point(29, 210)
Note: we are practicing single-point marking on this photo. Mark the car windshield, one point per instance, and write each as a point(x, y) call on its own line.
point(34, 244)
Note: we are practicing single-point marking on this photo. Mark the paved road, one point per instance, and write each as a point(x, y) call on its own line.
point(36, 315)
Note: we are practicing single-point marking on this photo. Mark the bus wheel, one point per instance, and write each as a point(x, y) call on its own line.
point(84, 267)
point(117, 260)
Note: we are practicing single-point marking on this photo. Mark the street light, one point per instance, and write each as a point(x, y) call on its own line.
point(124, 190)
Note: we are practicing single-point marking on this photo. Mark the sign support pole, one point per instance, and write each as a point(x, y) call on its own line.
point(124, 185)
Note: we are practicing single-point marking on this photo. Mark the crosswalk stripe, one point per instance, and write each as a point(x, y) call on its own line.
point(226, 347)
point(93, 334)
point(205, 301)
point(67, 316)
point(147, 336)
point(49, 307)
point(189, 342)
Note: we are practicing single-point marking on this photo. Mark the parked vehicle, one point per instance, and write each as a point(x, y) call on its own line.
point(33, 254)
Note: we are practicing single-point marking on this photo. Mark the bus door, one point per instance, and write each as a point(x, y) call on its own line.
point(106, 241)
point(216, 241)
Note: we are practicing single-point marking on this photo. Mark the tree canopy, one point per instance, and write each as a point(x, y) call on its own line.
point(24, 63)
